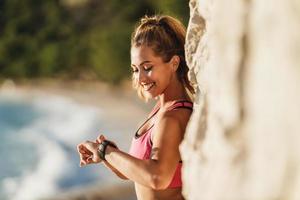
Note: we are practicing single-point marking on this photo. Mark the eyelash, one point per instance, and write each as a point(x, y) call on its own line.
point(146, 69)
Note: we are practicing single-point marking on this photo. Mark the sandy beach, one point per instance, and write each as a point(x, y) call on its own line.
point(121, 107)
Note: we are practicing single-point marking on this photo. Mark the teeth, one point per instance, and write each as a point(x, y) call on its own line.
point(148, 86)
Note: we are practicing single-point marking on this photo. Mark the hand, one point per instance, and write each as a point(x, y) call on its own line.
point(88, 152)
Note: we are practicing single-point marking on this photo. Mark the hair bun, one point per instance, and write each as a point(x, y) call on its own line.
point(153, 20)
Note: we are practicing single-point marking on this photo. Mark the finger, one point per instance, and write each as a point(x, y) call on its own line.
point(83, 151)
point(89, 160)
point(82, 154)
point(82, 163)
point(83, 157)
point(86, 159)
point(81, 148)
point(100, 138)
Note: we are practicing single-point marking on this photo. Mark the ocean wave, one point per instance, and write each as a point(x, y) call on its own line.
point(44, 130)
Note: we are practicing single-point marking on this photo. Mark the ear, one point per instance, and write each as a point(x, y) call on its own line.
point(175, 60)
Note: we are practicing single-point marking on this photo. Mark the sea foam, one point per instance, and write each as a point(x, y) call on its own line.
point(39, 144)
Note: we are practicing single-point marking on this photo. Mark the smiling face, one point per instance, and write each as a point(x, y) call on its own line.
point(150, 73)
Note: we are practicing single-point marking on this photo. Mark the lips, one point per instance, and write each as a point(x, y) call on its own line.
point(148, 86)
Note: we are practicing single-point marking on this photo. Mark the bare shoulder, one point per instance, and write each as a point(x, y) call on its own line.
point(168, 133)
point(175, 120)
point(178, 118)
point(168, 119)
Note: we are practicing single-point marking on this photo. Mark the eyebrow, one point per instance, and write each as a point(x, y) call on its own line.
point(142, 63)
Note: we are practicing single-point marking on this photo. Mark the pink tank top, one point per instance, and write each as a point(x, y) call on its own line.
point(141, 145)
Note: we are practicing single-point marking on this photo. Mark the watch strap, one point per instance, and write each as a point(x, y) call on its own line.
point(102, 148)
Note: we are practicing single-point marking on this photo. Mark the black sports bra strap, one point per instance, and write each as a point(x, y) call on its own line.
point(186, 107)
point(182, 104)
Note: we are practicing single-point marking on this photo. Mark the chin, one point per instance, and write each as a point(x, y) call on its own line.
point(150, 95)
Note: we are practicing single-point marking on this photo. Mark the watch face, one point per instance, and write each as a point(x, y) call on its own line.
point(101, 152)
point(101, 147)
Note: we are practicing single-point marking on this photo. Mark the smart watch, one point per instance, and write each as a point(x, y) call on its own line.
point(102, 148)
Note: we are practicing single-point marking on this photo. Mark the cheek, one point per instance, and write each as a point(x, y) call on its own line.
point(160, 77)
point(151, 74)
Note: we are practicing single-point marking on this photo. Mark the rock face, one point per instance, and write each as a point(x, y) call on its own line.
point(243, 139)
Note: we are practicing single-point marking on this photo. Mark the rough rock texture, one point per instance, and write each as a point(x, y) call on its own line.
point(243, 140)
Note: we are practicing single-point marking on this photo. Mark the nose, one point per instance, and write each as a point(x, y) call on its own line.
point(141, 76)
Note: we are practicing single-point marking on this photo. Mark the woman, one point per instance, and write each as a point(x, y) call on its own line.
point(159, 71)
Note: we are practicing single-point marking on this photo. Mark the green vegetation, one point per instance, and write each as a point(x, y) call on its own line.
point(91, 40)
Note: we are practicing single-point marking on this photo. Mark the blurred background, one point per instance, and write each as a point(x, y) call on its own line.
point(65, 77)
point(73, 39)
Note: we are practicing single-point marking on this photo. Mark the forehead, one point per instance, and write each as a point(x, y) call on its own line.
point(142, 53)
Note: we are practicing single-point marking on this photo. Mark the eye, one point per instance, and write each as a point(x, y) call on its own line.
point(149, 68)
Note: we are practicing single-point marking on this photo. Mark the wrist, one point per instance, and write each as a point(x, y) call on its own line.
point(104, 147)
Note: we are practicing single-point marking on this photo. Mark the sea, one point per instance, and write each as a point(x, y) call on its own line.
point(38, 139)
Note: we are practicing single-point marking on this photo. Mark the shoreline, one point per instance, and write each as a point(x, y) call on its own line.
point(120, 105)
point(85, 92)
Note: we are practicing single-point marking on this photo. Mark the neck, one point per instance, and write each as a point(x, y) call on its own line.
point(174, 91)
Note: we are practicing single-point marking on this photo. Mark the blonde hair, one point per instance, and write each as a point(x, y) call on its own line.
point(165, 35)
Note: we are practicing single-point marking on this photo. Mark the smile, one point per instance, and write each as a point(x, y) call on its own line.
point(147, 87)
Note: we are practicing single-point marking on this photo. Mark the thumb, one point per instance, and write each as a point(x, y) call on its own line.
point(96, 157)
